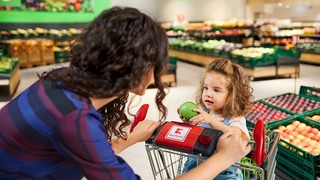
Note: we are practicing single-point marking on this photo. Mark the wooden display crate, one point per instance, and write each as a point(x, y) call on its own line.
point(310, 58)
point(16, 49)
point(47, 54)
point(9, 84)
point(170, 79)
point(191, 57)
point(33, 52)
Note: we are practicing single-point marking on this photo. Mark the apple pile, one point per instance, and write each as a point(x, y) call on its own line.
point(315, 118)
point(301, 135)
point(293, 103)
point(265, 113)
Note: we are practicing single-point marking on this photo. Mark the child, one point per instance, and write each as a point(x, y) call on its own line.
point(225, 96)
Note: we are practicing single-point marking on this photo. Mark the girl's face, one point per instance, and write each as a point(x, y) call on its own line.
point(215, 91)
point(147, 79)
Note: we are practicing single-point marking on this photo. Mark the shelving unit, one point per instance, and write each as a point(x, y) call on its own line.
point(194, 58)
point(310, 57)
point(257, 72)
point(9, 84)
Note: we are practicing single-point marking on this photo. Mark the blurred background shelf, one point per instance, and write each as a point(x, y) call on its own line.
point(9, 84)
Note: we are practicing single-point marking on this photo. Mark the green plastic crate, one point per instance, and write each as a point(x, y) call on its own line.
point(292, 52)
point(225, 54)
point(311, 113)
point(292, 159)
point(313, 92)
point(60, 56)
point(285, 108)
point(265, 60)
point(173, 60)
point(252, 124)
point(234, 57)
point(292, 170)
point(13, 61)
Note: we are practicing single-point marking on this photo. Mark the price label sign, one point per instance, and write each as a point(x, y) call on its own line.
point(11, 3)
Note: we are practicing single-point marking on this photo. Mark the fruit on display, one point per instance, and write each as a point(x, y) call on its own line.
point(204, 46)
point(315, 117)
point(301, 135)
point(312, 47)
point(265, 113)
point(7, 64)
point(186, 109)
point(313, 93)
point(253, 52)
point(294, 103)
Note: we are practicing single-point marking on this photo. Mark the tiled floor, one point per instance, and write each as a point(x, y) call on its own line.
point(188, 76)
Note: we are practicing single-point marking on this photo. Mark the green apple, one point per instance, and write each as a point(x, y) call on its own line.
point(186, 109)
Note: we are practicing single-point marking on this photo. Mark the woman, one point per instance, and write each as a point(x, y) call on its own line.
point(71, 123)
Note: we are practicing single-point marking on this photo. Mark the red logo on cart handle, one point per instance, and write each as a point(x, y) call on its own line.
point(178, 131)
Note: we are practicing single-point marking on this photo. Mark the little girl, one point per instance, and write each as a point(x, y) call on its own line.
point(225, 96)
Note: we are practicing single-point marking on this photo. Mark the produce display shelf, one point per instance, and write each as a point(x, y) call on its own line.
point(257, 72)
point(271, 71)
point(273, 121)
point(9, 71)
point(265, 60)
point(311, 113)
point(310, 91)
point(310, 58)
point(199, 59)
point(268, 99)
point(291, 159)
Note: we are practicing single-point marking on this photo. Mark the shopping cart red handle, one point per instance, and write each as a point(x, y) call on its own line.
point(140, 116)
point(259, 154)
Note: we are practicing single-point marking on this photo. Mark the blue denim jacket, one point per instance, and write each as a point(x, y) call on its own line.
point(231, 173)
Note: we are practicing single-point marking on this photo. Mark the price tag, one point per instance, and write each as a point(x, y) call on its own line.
point(4, 82)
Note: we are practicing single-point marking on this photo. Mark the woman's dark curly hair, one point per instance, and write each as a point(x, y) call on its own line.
point(240, 96)
point(110, 57)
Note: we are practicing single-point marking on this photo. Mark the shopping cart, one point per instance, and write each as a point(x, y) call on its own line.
point(167, 163)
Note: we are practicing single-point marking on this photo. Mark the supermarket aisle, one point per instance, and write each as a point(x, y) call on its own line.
point(188, 77)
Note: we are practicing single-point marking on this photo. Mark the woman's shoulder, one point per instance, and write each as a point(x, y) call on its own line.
point(61, 97)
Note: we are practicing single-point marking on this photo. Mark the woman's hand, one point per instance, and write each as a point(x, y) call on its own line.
point(232, 147)
point(143, 130)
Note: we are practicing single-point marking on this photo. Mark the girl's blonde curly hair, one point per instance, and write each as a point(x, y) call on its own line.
point(240, 96)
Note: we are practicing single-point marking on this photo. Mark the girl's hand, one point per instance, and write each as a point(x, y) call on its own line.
point(182, 118)
point(144, 130)
point(202, 117)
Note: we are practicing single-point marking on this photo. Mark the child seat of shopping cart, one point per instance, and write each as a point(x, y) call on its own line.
point(173, 142)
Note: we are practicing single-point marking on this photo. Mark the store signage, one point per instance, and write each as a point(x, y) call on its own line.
point(49, 6)
point(11, 3)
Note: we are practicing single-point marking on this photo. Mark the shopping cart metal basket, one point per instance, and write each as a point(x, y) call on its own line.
point(167, 163)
